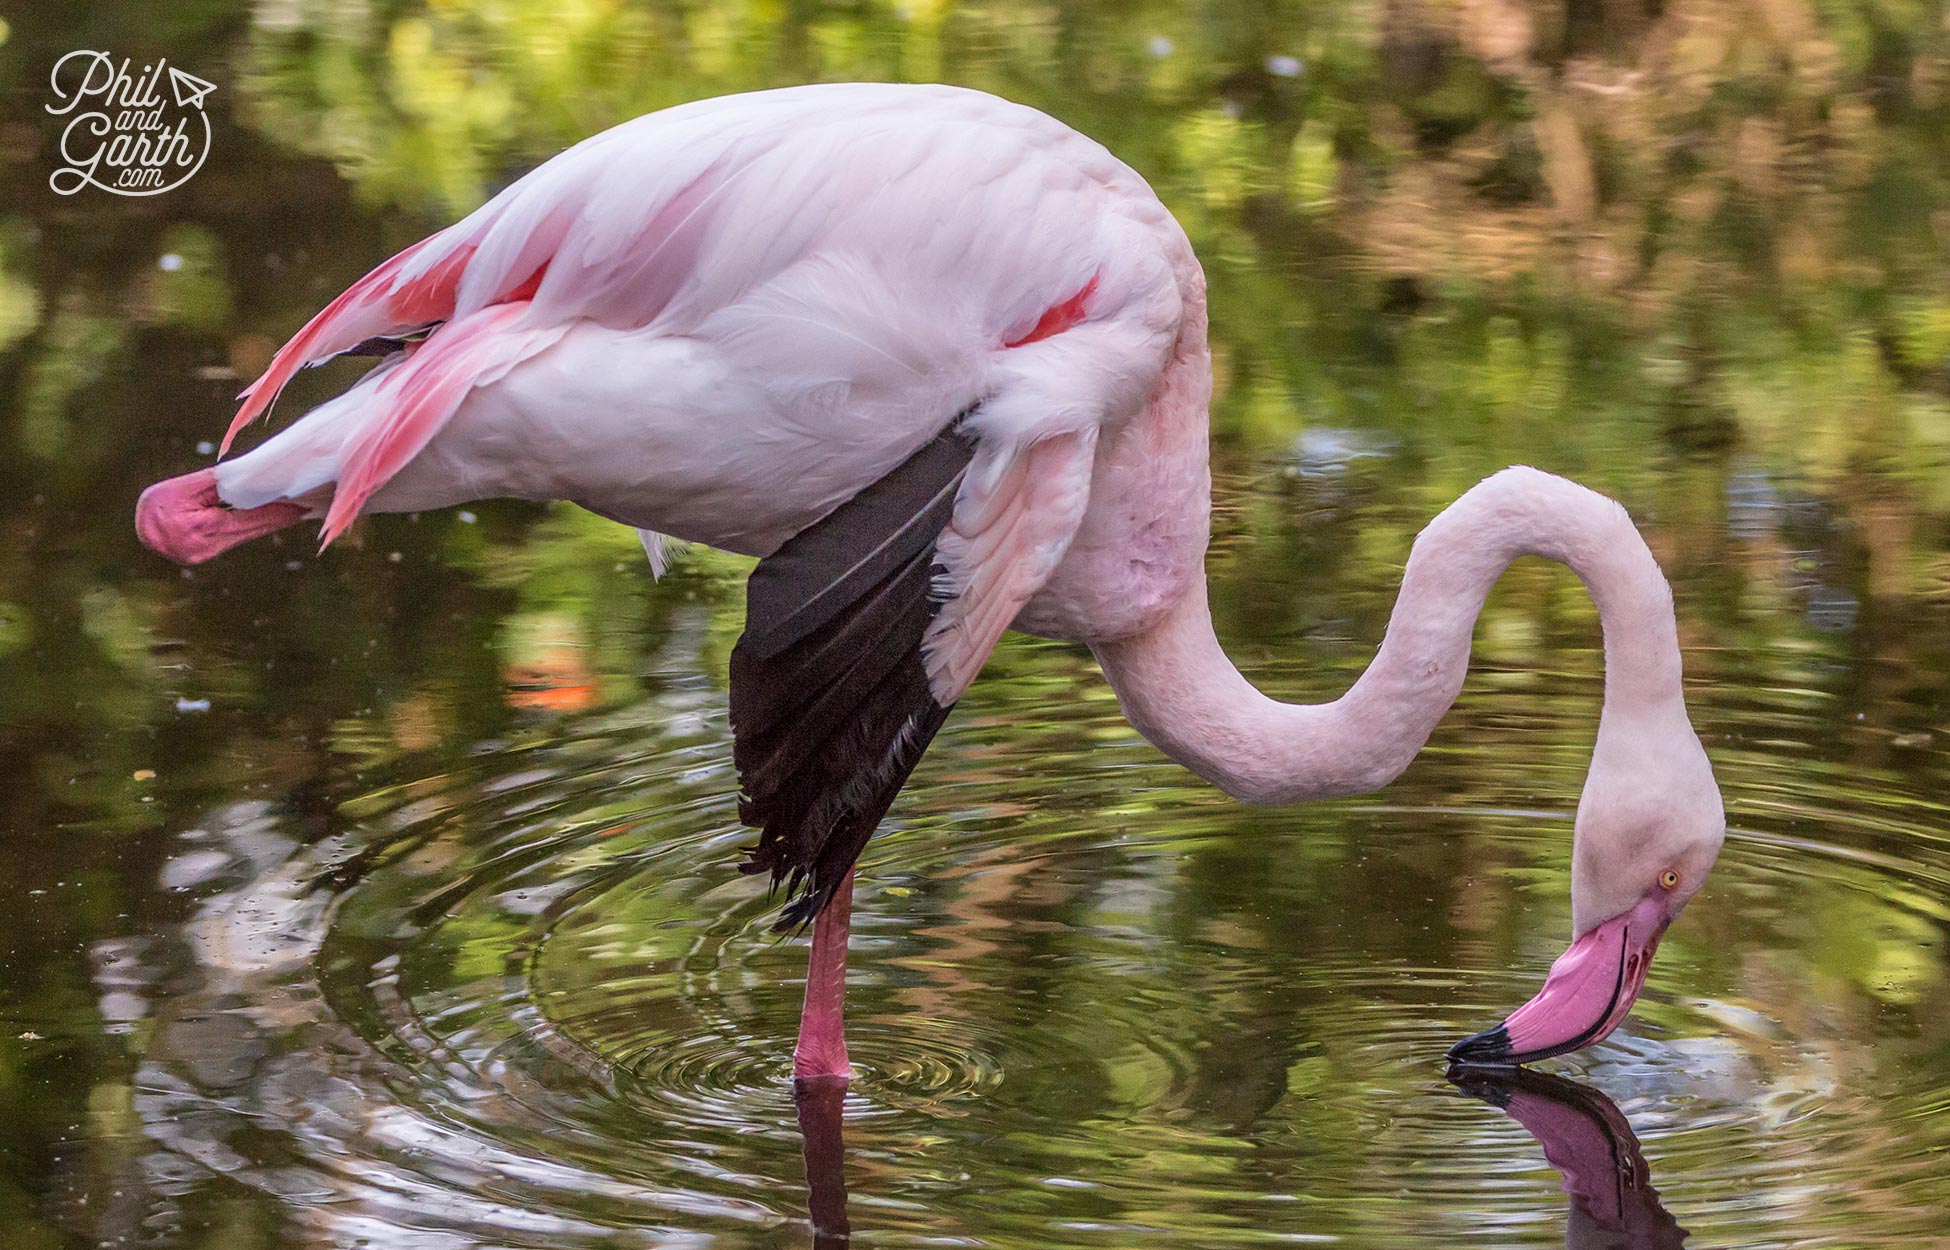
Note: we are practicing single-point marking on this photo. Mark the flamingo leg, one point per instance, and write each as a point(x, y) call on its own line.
point(822, 1021)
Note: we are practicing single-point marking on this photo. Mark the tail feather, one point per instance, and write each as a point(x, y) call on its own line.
point(413, 290)
point(364, 310)
point(416, 399)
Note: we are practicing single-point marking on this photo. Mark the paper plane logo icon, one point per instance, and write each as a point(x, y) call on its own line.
point(189, 89)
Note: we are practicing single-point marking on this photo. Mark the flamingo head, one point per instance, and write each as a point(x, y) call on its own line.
point(1649, 827)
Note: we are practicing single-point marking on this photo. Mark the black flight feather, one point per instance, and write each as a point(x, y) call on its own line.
point(830, 703)
point(824, 570)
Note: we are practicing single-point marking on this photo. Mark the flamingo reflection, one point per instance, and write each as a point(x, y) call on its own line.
point(1587, 1139)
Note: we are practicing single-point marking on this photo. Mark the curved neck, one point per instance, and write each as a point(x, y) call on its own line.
point(1180, 691)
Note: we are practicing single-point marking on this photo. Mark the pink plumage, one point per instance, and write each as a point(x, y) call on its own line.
point(940, 361)
point(416, 399)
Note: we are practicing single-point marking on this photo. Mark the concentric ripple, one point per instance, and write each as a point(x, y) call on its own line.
point(531, 1003)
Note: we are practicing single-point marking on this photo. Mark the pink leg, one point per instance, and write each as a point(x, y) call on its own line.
point(822, 1022)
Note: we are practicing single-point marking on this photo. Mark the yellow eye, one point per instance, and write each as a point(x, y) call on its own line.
point(1668, 879)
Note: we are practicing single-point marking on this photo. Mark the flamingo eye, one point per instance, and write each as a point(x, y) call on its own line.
point(1668, 879)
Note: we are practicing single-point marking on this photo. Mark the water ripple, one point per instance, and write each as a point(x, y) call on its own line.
point(531, 1003)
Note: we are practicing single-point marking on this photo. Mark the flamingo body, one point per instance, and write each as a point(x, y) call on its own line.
point(941, 363)
point(720, 321)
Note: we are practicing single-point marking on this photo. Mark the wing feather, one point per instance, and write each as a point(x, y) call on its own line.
point(834, 563)
point(830, 705)
point(863, 631)
point(1005, 541)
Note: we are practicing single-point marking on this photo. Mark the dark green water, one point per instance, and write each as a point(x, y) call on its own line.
point(389, 898)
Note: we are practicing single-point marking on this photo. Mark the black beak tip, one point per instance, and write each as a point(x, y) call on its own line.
point(1488, 1049)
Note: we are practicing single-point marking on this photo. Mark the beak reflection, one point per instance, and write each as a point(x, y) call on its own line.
point(1591, 1144)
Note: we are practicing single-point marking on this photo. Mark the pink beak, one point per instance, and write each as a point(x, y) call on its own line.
point(185, 519)
point(1589, 992)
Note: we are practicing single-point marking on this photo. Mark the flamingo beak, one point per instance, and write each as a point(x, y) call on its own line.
point(185, 519)
point(1588, 993)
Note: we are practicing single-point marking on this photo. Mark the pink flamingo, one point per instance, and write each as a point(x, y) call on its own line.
point(941, 363)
